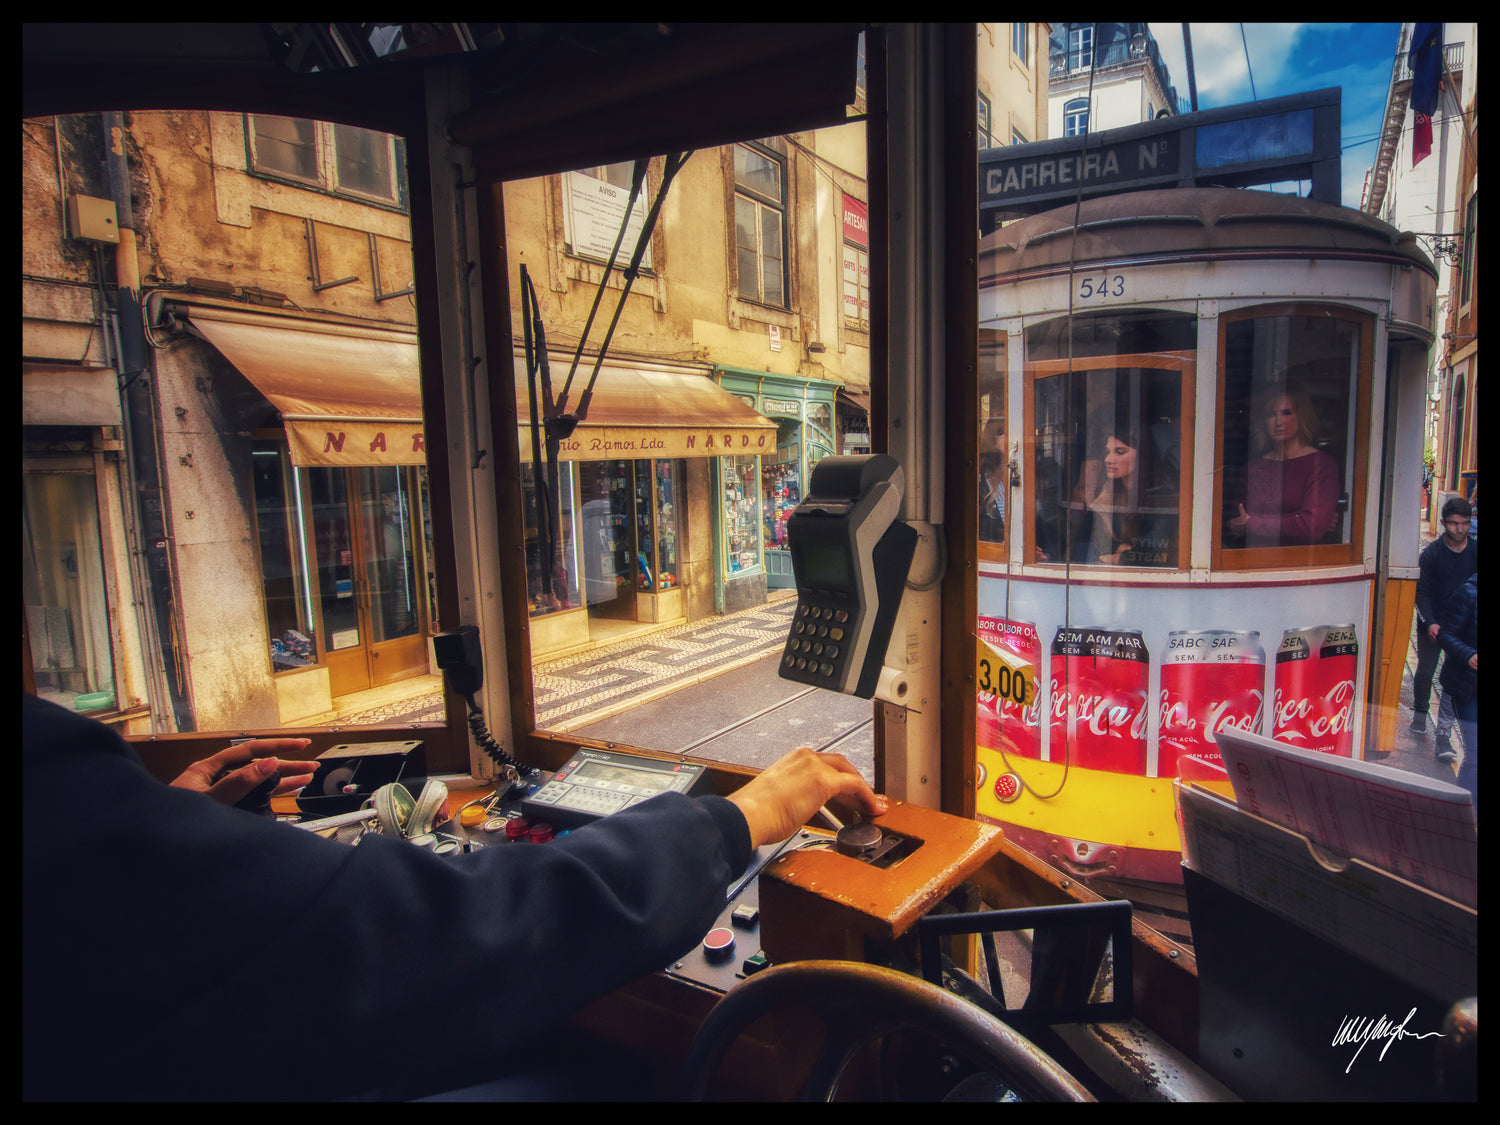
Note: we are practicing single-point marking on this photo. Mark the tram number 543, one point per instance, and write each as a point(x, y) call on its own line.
point(1004, 675)
point(1107, 285)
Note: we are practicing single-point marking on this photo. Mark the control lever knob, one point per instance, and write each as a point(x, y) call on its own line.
point(857, 839)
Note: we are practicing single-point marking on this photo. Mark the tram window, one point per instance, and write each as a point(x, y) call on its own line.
point(1110, 443)
point(994, 461)
point(1292, 443)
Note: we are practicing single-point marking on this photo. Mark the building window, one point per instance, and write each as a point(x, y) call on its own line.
point(1081, 48)
point(285, 146)
point(364, 163)
point(985, 136)
point(760, 226)
point(1076, 117)
point(742, 515)
point(341, 159)
point(64, 585)
point(1292, 442)
point(1020, 42)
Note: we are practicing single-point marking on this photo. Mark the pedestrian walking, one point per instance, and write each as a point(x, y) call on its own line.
point(1459, 637)
point(1443, 568)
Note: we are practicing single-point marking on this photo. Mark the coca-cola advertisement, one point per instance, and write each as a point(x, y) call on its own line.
point(1211, 680)
point(1313, 704)
point(1098, 699)
point(1004, 724)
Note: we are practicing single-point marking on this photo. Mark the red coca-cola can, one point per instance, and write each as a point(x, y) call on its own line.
point(1313, 704)
point(1098, 699)
point(1004, 724)
point(1211, 680)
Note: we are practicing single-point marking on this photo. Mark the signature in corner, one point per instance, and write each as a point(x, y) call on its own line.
point(1361, 1029)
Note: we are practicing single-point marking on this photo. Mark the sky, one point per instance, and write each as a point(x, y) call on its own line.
point(1293, 58)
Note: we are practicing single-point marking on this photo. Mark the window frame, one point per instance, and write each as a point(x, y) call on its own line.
point(1071, 112)
point(1077, 52)
point(1185, 363)
point(325, 150)
point(1224, 558)
point(1020, 42)
point(994, 379)
point(762, 203)
point(984, 129)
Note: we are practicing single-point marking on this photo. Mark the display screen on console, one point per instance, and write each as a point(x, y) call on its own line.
point(606, 771)
point(822, 565)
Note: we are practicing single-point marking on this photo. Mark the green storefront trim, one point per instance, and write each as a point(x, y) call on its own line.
point(805, 409)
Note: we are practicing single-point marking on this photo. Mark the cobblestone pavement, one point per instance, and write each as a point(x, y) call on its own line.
point(584, 687)
point(590, 685)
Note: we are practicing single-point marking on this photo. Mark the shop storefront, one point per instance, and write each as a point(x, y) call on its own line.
point(640, 537)
point(341, 521)
point(803, 410)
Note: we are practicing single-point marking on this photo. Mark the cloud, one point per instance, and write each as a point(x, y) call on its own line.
point(1219, 58)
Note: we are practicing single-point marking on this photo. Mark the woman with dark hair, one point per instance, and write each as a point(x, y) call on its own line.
point(1291, 487)
point(1135, 511)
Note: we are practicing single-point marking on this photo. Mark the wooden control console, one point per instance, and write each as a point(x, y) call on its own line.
point(817, 902)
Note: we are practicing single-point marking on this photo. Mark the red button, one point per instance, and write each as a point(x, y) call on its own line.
point(517, 828)
point(719, 944)
point(540, 833)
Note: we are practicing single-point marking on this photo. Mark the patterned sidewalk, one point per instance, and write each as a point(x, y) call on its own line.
point(586, 686)
point(592, 685)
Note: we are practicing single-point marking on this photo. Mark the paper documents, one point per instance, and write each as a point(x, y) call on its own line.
point(1412, 826)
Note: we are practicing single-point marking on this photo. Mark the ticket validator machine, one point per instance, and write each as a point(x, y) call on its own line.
point(850, 558)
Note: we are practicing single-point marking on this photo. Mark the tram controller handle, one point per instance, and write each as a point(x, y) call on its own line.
point(850, 559)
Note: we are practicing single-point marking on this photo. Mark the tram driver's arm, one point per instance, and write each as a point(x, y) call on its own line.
point(784, 796)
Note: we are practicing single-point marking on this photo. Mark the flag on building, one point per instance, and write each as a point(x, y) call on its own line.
point(1426, 61)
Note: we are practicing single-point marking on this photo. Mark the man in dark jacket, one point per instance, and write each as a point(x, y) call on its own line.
point(174, 947)
point(1459, 637)
point(1443, 567)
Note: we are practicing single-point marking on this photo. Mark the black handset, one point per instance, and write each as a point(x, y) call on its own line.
point(458, 655)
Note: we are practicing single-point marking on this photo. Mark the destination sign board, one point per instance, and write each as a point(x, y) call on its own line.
point(1265, 142)
point(1037, 175)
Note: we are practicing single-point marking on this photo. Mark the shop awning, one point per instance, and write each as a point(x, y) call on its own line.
point(637, 413)
point(348, 395)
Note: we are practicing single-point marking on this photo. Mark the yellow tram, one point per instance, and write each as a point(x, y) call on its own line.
point(1174, 324)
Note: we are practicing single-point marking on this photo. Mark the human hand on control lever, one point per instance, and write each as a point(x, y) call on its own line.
point(234, 772)
point(786, 794)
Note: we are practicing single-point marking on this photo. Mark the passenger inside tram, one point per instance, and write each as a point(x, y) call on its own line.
point(1291, 487)
point(1135, 510)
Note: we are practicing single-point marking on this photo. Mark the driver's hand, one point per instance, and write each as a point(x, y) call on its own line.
point(786, 794)
point(234, 772)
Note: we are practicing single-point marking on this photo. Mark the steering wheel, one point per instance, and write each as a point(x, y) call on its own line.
point(861, 1003)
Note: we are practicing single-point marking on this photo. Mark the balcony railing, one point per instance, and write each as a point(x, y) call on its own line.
point(1453, 58)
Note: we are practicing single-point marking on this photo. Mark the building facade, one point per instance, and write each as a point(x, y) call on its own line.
point(224, 490)
point(1104, 76)
point(1437, 197)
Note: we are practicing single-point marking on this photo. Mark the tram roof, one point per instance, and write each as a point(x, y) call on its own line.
point(1192, 222)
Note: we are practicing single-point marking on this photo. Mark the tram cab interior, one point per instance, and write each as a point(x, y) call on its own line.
point(978, 347)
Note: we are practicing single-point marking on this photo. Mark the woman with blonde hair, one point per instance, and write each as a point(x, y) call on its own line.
point(1291, 487)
